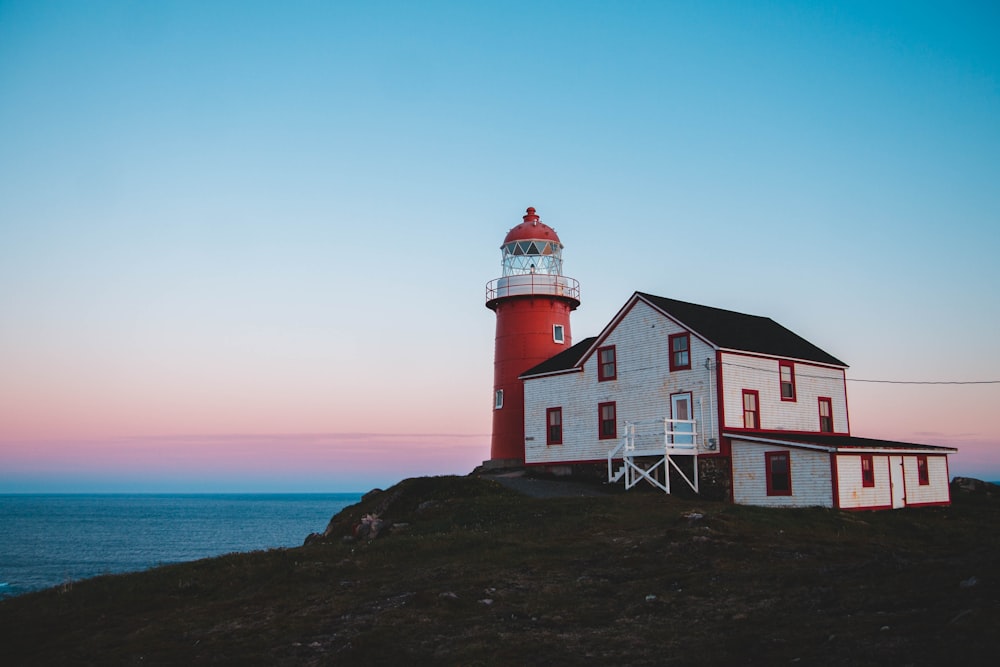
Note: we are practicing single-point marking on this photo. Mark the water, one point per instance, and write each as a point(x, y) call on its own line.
point(47, 540)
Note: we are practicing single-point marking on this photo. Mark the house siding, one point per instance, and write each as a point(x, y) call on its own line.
point(810, 473)
point(761, 374)
point(641, 390)
point(937, 491)
point(852, 492)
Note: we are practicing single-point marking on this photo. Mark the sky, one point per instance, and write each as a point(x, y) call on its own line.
point(244, 245)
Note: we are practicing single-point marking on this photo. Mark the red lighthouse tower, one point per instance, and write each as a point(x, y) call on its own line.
point(532, 300)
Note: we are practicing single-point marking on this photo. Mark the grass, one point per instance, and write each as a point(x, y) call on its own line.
point(474, 574)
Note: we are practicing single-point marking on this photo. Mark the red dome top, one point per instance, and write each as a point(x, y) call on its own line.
point(532, 228)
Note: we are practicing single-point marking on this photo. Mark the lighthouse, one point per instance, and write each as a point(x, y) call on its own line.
point(533, 301)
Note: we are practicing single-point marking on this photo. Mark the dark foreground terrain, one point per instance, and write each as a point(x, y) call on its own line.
point(472, 573)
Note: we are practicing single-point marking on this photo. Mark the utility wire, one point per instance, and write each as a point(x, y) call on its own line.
point(767, 370)
point(926, 382)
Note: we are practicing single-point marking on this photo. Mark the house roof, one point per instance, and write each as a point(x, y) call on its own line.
point(835, 443)
point(564, 361)
point(737, 331)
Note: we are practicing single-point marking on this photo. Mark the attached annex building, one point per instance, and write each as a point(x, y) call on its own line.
point(675, 389)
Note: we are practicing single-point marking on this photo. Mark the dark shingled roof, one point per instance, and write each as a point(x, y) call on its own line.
point(837, 441)
point(563, 361)
point(737, 331)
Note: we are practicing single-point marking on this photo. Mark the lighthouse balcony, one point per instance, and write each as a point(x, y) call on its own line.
point(533, 284)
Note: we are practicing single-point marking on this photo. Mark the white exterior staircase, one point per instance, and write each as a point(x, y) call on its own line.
point(647, 449)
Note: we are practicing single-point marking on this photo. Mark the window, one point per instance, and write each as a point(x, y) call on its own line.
point(867, 471)
point(607, 367)
point(923, 475)
point(786, 370)
point(607, 427)
point(498, 399)
point(751, 409)
point(825, 415)
point(558, 333)
point(680, 352)
point(779, 473)
point(553, 434)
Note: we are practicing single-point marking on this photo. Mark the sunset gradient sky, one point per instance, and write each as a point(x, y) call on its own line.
point(243, 245)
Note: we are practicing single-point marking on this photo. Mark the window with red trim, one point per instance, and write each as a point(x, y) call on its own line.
point(607, 366)
point(779, 473)
point(867, 470)
point(751, 408)
point(553, 432)
point(923, 474)
point(786, 371)
point(825, 415)
point(680, 352)
point(607, 421)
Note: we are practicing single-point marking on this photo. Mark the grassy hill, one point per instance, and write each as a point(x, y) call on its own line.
point(471, 573)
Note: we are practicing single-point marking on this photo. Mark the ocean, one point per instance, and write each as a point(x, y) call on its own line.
point(48, 540)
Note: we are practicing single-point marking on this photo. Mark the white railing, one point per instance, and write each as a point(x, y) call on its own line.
point(531, 284)
point(679, 435)
point(661, 439)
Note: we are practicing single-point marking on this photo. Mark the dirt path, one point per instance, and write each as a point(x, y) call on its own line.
point(535, 487)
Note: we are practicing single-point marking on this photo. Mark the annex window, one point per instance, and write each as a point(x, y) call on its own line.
point(607, 366)
point(786, 371)
point(498, 399)
point(553, 431)
point(825, 415)
point(680, 352)
point(779, 473)
point(607, 421)
point(751, 408)
point(558, 333)
point(923, 474)
point(867, 471)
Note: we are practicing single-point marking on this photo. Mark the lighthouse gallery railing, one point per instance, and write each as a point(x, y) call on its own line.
point(533, 284)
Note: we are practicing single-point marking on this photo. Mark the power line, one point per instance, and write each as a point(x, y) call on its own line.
point(926, 381)
point(827, 377)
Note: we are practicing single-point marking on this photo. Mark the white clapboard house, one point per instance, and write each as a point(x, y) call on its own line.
point(676, 393)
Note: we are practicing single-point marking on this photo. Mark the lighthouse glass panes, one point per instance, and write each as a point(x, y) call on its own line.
point(524, 257)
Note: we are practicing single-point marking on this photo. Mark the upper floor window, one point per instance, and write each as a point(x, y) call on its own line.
point(923, 474)
point(553, 431)
point(558, 333)
point(751, 408)
point(498, 399)
point(607, 366)
point(786, 371)
point(867, 470)
point(680, 352)
point(779, 473)
point(825, 415)
point(607, 421)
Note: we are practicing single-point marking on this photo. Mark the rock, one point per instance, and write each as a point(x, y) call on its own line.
point(370, 528)
point(973, 487)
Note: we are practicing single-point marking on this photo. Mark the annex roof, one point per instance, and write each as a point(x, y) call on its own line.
point(837, 443)
point(564, 361)
point(730, 330)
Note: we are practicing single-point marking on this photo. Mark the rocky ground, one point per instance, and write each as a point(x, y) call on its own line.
point(468, 571)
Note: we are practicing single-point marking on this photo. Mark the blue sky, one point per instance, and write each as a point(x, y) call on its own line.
point(273, 220)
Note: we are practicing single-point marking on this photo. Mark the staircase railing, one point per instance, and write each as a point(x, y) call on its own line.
point(660, 438)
